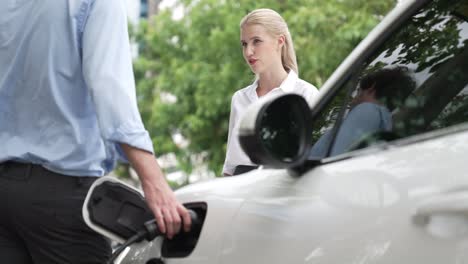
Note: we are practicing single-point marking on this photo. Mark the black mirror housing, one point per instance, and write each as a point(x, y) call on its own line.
point(277, 131)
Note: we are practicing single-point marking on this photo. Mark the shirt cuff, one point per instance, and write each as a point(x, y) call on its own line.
point(136, 138)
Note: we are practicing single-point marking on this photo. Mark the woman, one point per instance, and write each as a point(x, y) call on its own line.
point(268, 50)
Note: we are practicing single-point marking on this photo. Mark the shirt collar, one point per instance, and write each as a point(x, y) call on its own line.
point(252, 94)
point(286, 86)
point(290, 82)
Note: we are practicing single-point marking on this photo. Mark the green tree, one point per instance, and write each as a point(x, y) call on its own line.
point(198, 59)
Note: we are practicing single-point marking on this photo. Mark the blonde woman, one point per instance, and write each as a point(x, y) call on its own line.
point(268, 49)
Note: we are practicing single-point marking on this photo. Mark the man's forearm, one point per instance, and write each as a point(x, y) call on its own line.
point(145, 164)
point(169, 213)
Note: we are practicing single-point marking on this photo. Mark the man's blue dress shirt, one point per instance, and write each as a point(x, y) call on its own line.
point(363, 119)
point(67, 92)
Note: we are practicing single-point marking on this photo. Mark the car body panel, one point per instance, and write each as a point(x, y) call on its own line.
point(346, 208)
point(355, 204)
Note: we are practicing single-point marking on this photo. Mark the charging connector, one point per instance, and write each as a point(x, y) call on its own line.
point(149, 232)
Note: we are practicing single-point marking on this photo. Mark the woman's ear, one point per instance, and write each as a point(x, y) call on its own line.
point(281, 41)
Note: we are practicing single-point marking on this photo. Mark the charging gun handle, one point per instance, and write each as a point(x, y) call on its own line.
point(152, 230)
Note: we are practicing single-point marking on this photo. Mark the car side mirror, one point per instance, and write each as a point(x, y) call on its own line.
point(277, 131)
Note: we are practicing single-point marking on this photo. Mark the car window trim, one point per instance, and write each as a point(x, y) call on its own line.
point(365, 49)
point(352, 64)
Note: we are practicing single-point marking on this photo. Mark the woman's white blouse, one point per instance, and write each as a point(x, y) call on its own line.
point(246, 96)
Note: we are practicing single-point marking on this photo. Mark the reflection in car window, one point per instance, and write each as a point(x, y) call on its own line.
point(325, 128)
point(432, 93)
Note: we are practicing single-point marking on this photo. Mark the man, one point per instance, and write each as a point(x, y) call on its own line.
point(68, 112)
point(378, 93)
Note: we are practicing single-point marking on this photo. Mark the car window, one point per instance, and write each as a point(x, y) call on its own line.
point(414, 83)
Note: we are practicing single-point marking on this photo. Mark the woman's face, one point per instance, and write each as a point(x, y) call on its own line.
point(261, 50)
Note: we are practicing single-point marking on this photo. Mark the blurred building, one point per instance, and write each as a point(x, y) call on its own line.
point(141, 9)
point(152, 7)
point(138, 9)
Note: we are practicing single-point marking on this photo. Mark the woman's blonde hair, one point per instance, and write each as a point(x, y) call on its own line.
point(276, 26)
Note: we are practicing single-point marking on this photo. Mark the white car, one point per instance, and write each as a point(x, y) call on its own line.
point(393, 195)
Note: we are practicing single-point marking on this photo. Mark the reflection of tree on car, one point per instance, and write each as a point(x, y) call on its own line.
point(432, 47)
point(433, 44)
point(431, 37)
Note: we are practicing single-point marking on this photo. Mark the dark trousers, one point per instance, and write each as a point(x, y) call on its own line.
point(41, 219)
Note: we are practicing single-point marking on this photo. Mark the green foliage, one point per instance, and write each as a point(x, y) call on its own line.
point(199, 60)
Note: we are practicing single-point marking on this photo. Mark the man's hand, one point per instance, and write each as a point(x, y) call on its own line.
point(170, 214)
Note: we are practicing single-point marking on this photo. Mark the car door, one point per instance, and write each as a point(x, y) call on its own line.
point(389, 195)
